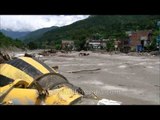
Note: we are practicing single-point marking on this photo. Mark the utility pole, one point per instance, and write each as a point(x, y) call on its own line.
point(158, 38)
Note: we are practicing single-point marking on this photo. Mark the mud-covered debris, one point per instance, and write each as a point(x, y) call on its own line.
point(55, 67)
point(155, 53)
point(96, 69)
point(83, 54)
point(51, 52)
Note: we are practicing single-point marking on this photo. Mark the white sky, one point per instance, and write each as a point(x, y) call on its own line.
point(33, 22)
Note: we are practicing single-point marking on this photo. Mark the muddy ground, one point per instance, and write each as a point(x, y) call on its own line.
point(132, 80)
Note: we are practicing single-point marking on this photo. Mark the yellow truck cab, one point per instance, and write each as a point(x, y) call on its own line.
point(28, 81)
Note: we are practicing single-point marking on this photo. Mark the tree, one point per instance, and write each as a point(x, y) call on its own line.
point(57, 46)
point(153, 45)
point(110, 45)
point(32, 45)
point(97, 36)
point(9, 42)
point(79, 44)
point(18, 43)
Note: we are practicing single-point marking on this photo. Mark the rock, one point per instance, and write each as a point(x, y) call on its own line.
point(4, 57)
point(29, 55)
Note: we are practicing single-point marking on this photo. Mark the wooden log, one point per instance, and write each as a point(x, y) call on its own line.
point(96, 69)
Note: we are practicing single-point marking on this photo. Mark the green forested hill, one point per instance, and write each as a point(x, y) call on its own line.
point(9, 42)
point(106, 26)
point(14, 34)
point(36, 34)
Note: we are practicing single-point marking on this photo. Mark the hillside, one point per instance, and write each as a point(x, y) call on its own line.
point(14, 34)
point(6, 42)
point(36, 34)
point(106, 26)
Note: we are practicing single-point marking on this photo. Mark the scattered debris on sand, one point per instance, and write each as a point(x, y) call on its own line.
point(83, 54)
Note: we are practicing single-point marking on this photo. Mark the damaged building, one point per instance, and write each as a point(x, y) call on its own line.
point(97, 44)
point(67, 45)
point(140, 39)
point(136, 41)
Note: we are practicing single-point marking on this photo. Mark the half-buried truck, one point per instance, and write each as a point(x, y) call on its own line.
point(29, 81)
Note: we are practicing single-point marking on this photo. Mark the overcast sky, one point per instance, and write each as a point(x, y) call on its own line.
point(33, 22)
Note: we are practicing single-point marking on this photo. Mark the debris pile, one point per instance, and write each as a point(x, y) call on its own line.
point(63, 51)
point(156, 53)
point(51, 52)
